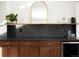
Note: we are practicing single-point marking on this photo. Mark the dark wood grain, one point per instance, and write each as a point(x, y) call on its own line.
point(30, 48)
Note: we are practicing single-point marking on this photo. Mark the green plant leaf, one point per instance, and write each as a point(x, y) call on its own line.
point(11, 17)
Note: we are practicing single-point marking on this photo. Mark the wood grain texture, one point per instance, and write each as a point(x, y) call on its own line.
point(31, 48)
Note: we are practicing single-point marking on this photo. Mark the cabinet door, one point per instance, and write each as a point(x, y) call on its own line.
point(29, 51)
point(23, 51)
point(34, 51)
point(54, 52)
point(4, 52)
point(10, 51)
point(50, 51)
point(44, 51)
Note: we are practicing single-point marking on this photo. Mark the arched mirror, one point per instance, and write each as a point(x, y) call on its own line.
point(38, 12)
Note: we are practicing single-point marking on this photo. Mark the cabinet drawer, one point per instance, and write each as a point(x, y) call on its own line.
point(50, 43)
point(8, 43)
point(35, 43)
point(28, 43)
point(25, 43)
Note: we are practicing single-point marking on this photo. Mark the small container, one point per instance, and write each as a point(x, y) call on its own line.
point(73, 20)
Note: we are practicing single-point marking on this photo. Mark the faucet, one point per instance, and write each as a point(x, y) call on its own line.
point(70, 35)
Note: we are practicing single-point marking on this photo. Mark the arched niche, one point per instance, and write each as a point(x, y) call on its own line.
point(38, 13)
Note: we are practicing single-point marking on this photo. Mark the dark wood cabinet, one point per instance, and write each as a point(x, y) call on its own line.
point(50, 48)
point(50, 51)
point(23, 51)
point(31, 48)
point(28, 51)
point(34, 51)
point(44, 51)
point(9, 48)
point(54, 52)
point(10, 51)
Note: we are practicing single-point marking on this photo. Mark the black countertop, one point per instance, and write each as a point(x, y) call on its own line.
point(22, 39)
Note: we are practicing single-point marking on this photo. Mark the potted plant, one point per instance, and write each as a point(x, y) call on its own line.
point(11, 29)
point(11, 18)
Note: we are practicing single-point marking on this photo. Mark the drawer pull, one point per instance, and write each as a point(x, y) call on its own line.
point(27, 43)
point(8, 47)
point(7, 43)
point(50, 43)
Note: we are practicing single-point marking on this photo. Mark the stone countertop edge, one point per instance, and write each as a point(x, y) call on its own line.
point(19, 39)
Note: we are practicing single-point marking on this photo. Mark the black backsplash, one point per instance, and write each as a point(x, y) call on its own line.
point(39, 31)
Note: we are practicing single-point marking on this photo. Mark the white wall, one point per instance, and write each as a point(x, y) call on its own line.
point(2, 11)
point(2, 17)
point(77, 20)
point(21, 8)
point(56, 10)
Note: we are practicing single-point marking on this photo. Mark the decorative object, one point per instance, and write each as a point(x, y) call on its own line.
point(11, 27)
point(73, 20)
point(11, 18)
